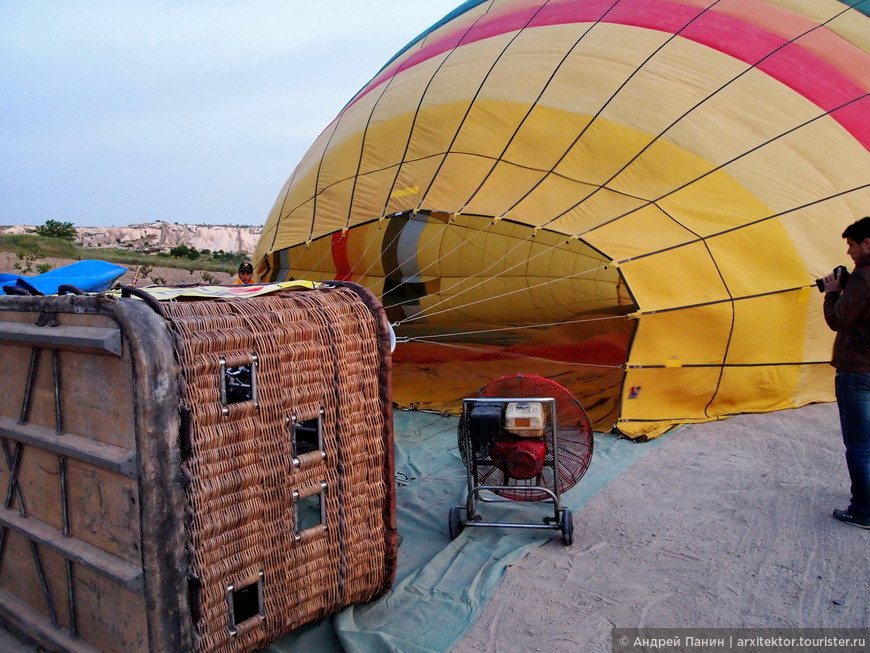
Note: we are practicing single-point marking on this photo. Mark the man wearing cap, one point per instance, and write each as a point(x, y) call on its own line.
point(246, 273)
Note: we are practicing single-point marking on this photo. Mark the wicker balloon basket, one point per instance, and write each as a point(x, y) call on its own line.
point(193, 475)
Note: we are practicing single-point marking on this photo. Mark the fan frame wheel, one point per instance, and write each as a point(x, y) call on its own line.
point(455, 524)
point(566, 526)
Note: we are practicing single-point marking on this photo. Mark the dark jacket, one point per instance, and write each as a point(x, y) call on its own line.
point(848, 313)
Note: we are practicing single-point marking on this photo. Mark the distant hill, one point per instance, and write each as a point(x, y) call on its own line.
point(163, 236)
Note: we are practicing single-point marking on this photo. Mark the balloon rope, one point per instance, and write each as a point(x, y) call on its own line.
point(429, 313)
point(524, 289)
point(463, 242)
point(377, 259)
point(522, 264)
point(542, 325)
point(327, 253)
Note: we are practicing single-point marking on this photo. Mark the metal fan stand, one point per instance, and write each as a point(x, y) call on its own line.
point(562, 520)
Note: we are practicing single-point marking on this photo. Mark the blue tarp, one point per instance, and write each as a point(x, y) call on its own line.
point(88, 276)
point(442, 585)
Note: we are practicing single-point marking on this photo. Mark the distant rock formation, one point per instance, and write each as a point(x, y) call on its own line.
point(162, 236)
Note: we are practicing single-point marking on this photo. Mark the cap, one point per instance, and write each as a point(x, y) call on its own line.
point(246, 267)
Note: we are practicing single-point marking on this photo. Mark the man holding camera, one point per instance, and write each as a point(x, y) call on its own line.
point(847, 311)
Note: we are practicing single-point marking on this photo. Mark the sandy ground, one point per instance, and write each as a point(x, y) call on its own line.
point(725, 525)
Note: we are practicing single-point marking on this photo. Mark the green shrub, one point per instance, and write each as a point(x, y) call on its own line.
point(184, 251)
point(26, 257)
point(57, 229)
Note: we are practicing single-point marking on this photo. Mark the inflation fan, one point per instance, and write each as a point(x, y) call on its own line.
point(522, 438)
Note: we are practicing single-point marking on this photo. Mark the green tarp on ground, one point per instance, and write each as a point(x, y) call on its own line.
point(442, 585)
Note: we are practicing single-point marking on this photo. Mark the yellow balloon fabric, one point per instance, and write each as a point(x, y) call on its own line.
point(632, 197)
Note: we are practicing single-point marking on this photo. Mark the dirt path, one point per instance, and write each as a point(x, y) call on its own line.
point(726, 524)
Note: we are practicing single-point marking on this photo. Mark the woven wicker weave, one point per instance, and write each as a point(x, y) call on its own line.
point(320, 353)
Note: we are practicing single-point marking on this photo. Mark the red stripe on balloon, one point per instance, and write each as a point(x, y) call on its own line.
point(340, 259)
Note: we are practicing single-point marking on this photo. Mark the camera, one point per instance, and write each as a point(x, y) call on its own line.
point(841, 274)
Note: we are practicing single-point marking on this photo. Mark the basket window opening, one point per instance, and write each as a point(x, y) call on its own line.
point(245, 602)
point(239, 383)
point(307, 436)
point(310, 512)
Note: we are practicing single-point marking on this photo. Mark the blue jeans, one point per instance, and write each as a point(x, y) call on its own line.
point(853, 400)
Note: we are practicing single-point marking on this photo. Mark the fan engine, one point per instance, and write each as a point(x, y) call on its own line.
point(512, 435)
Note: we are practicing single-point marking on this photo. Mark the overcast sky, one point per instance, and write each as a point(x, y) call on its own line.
point(114, 112)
